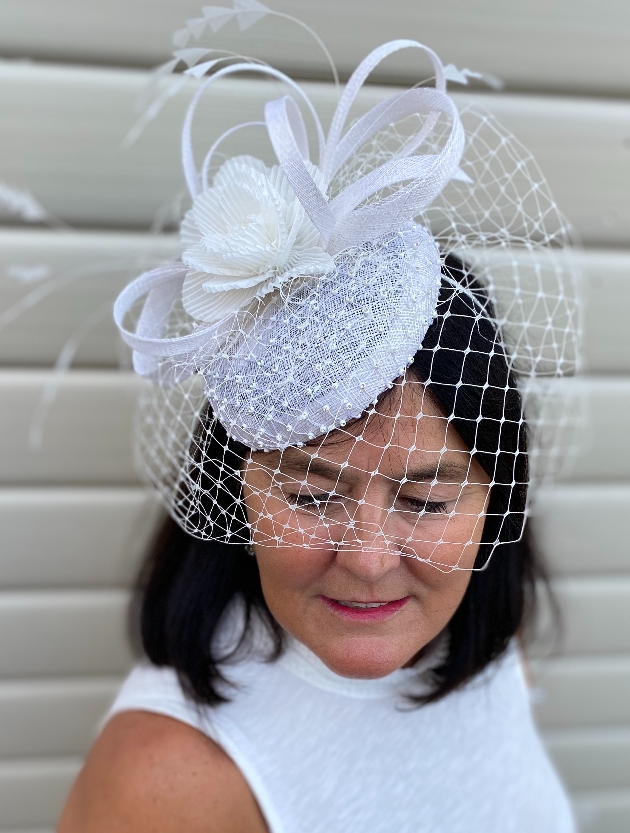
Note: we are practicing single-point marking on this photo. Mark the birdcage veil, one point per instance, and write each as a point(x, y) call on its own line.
point(315, 303)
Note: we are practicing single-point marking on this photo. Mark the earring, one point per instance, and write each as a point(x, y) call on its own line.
point(249, 549)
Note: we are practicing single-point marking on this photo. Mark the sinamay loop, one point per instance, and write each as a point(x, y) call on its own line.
point(348, 351)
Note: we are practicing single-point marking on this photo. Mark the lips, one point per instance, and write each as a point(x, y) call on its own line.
point(361, 605)
point(364, 611)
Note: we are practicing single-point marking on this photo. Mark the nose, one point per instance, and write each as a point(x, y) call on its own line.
point(364, 549)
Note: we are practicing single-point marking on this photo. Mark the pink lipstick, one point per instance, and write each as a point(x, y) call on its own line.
point(364, 611)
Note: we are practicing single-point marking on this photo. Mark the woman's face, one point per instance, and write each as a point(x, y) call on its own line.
point(344, 523)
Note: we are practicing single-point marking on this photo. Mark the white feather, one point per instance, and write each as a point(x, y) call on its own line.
point(21, 202)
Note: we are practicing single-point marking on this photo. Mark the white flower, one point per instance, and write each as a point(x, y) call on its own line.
point(244, 237)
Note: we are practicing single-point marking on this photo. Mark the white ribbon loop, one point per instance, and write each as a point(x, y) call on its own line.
point(289, 140)
point(193, 179)
point(430, 172)
point(288, 136)
point(356, 81)
point(349, 220)
point(379, 117)
point(161, 287)
point(152, 323)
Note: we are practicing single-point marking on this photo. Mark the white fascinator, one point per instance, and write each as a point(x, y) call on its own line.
point(306, 288)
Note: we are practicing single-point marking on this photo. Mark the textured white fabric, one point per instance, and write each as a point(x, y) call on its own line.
point(322, 753)
point(273, 383)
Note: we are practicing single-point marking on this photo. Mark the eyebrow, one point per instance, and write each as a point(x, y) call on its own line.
point(297, 461)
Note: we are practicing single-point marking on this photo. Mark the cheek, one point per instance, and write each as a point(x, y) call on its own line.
point(455, 541)
point(442, 590)
point(276, 525)
point(453, 545)
point(287, 571)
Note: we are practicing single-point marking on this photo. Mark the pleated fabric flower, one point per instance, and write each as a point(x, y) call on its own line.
point(244, 237)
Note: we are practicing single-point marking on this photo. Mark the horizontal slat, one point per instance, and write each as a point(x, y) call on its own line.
point(595, 615)
point(47, 785)
point(603, 811)
point(63, 131)
point(40, 718)
point(91, 267)
point(568, 138)
point(32, 793)
point(57, 633)
point(88, 270)
point(604, 453)
point(582, 691)
point(550, 45)
point(580, 701)
point(36, 790)
point(87, 433)
point(607, 311)
point(75, 632)
point(74, 537)
point(583, 529)
point(91, 537)
point(58, 717)
point(591, 759)
point(84, 632)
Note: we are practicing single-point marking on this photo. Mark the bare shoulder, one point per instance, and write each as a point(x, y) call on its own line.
point(147, 772)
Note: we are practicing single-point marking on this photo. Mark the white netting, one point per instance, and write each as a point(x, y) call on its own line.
point(404, 397)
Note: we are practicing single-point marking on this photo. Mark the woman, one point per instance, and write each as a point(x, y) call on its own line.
point(338, 651)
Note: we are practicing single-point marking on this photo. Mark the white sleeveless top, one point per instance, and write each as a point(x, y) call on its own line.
point(322, 753)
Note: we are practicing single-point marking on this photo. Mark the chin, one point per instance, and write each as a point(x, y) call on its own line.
point(362, 658)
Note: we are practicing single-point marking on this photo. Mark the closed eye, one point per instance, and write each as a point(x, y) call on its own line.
point(423, 506)
point(308, 500)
